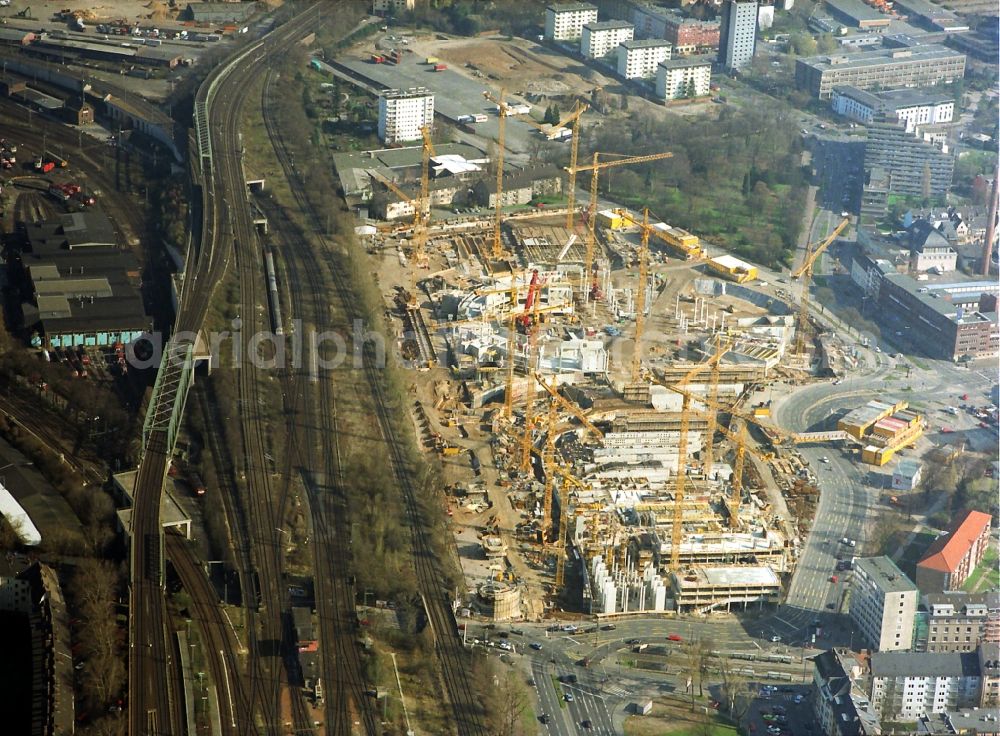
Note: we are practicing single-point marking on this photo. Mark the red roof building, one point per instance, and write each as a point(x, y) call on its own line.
point(953, 556)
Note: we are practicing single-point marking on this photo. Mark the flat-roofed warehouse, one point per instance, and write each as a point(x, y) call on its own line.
point(219, 12)
point(920, 66)
point(85, 290)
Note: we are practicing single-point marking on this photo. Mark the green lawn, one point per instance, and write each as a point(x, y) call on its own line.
point(986, 576)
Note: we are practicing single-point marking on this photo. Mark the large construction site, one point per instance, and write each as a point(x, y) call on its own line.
point(585, 374)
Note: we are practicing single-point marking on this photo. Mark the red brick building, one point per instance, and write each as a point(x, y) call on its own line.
point(688, 32)
point(953, 556)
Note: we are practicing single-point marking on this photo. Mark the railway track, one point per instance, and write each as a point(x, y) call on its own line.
point(344, 685)
point(466, 709)
point(217, 645)
point(226, 230)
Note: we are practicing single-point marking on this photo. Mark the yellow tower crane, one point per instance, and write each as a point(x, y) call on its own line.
point(594, 168)
point(568, 406)
point(421, 223)
point(548, 462)
point(640, 297)
point(736, 432)
point(529, 393)
point(678, 520)
point(713, 398)
point(502, 113)
point(805, 273)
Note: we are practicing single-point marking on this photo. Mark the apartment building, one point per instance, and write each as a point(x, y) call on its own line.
point(885, 68)
point(565, 21)
point(685, 34)
point(690, 76)
point(639, 59)
point(403, 112)
point(958, 622)
point(601, 39)
point(906, 685)
point(738, 34)
point(914, 166)
point(953, 556)
point(840, 701)
point(883, 604)
point(911, 107)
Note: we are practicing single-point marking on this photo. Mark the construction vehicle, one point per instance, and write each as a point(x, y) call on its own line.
point(595, 167)
point(805, 273)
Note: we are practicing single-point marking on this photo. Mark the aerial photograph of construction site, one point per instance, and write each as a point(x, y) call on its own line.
point(624, 367)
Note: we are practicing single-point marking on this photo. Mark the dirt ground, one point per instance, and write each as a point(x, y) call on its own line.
point(521, 66)
point(155, 10)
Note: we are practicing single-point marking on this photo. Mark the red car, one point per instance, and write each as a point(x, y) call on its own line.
point(675, 637)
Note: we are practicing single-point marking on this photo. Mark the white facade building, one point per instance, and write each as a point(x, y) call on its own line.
point(738, 34)
point(914, 108)
point(690, 76)
point(639, 59)
point(600, 39)
point(381, 7)
point(883, 604)
point(403, 112)
point(906, 685)
point(565, 21)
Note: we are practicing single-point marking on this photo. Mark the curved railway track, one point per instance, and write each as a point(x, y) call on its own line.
point(465, 705)
point(225, 229)
point(217, 646)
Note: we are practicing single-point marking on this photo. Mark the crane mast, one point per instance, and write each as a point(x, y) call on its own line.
point(640, 299)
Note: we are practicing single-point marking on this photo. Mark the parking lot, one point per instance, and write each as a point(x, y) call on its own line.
point(781, 711)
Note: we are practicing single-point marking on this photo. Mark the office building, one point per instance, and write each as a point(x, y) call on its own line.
point(914, 166)
point(403, 112)
point(840, 699)
point(738, 34)
point(565, 21)
point(886, 68)
point(906, 685)
point(856, 14)
point(639, 59)
point(601, 39)
point(690, 76)
point(952, 557)
point(957, 622)
point(944, 330)
point(883, 604)
point(912, 107)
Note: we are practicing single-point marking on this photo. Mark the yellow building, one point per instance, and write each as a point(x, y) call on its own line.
point(611, 220)
point(733, 269)
point(857, 423)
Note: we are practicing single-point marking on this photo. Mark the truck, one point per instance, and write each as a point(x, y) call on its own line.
point(479, 118)
point(440, 67)
point(466, 119)
point(432, 60)
point(377, 59)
